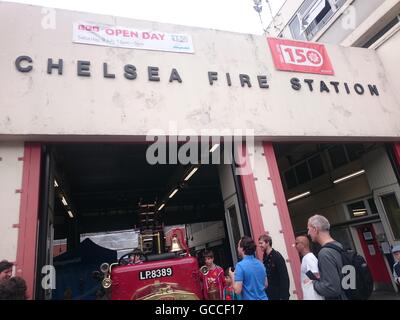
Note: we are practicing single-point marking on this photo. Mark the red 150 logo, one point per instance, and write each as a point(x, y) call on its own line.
point(302, 56)
point(298, 56)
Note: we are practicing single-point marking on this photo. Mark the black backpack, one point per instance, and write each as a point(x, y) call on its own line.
point(364, 280)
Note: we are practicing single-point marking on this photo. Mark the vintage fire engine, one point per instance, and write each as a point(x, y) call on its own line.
point(167, 276)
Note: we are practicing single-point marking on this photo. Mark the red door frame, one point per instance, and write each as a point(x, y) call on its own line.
point(254, 212)
point(396, 148)
point(377, 265)
point(28, 216)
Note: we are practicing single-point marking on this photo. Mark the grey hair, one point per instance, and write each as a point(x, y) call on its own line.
point(319, 222)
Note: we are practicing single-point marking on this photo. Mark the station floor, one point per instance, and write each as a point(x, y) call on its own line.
point(385, 295)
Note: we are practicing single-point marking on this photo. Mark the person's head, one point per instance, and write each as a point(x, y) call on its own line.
point(302, 245)
point(135, 255)
point(208, 258)
point(396, 252)
point(228, 279)
point(5, 270)
point(318, 228)
point(246, 246)
point(265, 242)
point(13, 289)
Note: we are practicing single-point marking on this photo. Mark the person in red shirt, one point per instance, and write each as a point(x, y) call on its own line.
point(229, 292)
point(213, 280)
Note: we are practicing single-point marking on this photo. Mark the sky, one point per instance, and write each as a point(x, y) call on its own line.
point(229, 15)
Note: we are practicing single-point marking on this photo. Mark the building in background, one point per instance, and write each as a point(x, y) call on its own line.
point(365, 217)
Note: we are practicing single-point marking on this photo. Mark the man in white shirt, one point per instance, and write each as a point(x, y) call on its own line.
point(309, 263)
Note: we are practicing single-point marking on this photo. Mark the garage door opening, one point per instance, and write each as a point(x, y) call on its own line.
point(98, 201)
point(356, 187)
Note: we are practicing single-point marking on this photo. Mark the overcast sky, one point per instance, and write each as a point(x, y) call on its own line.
point(231, 15)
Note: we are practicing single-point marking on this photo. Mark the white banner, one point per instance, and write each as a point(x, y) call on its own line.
point(122, 37)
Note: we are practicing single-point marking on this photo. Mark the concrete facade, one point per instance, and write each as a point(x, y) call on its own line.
point(74, 106)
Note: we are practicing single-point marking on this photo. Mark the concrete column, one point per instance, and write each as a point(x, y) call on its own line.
point(11, 154)
point(272, 210)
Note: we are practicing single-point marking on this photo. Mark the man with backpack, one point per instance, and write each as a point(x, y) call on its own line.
point(329, 285)
point(343, 275)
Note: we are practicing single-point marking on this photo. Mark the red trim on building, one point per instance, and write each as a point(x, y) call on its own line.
point(396, 148)
point(251, 199)
point(28, 216)
point(283, 210)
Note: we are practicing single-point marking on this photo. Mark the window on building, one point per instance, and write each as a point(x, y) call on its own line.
point(316, 166)
point(382, 32)
point(357, 209)
point(362, 208)
point(302, 173)
point(290, 178)
point(338, 156)
point(311, 166)
point(392, 209)
point(372, 206)
point(295, 29)
point(343, 154)
point(354, 151)
point(312, 16)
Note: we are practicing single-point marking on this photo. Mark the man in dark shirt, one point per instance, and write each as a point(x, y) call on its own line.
point(277, 274)
point(330, 263)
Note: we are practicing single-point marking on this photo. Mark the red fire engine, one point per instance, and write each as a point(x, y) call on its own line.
point(167, 276)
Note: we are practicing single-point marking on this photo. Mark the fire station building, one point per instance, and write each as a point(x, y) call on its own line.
point(86, 99)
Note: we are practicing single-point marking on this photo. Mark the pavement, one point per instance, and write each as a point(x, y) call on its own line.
point(385, 295)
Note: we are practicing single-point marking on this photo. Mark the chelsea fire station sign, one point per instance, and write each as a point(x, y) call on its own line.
point(288, 55)
point(130, 72)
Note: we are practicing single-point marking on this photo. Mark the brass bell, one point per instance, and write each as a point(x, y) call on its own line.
point(175, 244)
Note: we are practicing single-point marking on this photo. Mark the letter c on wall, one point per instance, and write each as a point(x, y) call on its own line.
point(21, 68)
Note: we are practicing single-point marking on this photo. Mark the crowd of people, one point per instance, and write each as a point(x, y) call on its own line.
point(11, 288)
point(251, 278)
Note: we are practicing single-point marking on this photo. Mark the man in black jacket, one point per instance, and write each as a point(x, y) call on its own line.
point(277, 274)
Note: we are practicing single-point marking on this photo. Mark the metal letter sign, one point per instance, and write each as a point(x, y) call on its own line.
point(300, 56)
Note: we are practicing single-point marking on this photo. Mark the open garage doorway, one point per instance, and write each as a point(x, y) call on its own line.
point(355, 186)
point(98, 201)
